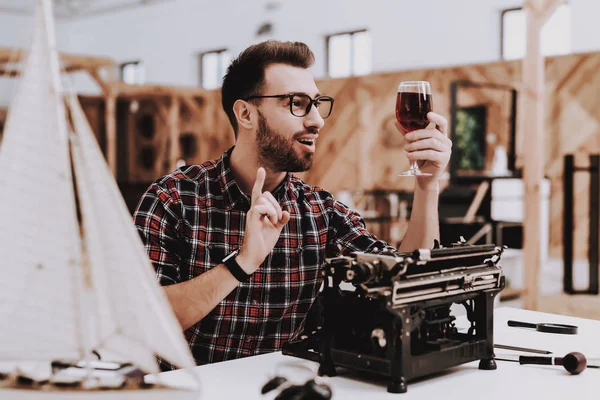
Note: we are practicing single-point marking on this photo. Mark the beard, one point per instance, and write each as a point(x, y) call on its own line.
point(276, 151)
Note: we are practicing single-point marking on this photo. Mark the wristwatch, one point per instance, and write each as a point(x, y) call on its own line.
point(235, 268)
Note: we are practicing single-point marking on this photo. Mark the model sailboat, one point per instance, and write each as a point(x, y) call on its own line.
point(75, 274)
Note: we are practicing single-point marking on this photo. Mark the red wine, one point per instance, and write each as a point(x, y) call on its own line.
point(412, 109)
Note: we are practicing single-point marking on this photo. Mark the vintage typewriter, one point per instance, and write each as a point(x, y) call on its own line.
point(390, 314)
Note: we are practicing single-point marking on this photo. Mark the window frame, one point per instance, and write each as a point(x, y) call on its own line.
point(122, 67)
point(509, 10)
point(502, 14)
point(327, 41)
point(201, 55)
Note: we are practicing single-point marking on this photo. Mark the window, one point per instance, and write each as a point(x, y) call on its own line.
point(213, 66)
point(349, 53)
point(132, 72)
point(556, 33)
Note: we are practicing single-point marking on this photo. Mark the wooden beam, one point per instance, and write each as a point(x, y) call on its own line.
point(532, 131)
point(10, 55)
point(173, 129)
point(9, 73)
point(543, 8)
point(111, 133)
point(190, 103)
point(110, 121)
point(126, 90)
point(533, 6)
point(68, 69)
point(106, 88)
point(74, 68)
point(162, 111)
point(365, 169)
point(476, 203)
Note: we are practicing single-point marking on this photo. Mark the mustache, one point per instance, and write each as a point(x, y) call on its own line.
point(314, 131)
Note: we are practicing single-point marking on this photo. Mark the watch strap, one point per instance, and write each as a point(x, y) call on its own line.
point(234, 268)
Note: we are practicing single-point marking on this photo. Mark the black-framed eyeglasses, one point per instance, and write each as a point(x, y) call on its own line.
point(300, 103)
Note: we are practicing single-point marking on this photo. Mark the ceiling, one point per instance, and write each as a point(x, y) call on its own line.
point(75, 8)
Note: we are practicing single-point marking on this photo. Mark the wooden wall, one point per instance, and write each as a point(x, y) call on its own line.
point(359, 147)
point(573, 123)
point(93, 107)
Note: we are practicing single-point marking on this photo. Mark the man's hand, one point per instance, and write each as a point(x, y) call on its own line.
point(264, 223)
point(430, 147)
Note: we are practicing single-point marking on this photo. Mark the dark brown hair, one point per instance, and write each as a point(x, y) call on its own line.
point(246, 75)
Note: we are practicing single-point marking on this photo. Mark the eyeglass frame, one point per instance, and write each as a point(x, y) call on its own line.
point(291, 96)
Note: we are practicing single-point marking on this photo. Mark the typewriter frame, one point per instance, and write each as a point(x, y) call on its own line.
point(398, 298)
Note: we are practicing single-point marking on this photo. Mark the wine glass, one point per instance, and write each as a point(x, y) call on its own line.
point(412, 105)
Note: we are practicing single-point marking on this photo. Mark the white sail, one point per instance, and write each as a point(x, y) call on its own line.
point(134, 317)
point(39, 238)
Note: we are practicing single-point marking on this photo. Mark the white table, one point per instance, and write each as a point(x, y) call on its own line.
point(243, 378)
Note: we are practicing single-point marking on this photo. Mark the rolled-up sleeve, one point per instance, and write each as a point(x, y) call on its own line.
point(350, 232)
point(157, 218)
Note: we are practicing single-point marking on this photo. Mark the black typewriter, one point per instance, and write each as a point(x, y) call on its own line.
point(390, 314)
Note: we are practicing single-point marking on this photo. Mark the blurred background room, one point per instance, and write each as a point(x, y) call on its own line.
point(148, 75)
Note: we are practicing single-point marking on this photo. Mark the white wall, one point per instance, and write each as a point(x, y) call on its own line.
point(16, 31)
point(585, 29)
point(406, 34)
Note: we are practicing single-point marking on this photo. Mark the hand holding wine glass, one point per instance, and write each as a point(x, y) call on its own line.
point(430, 146)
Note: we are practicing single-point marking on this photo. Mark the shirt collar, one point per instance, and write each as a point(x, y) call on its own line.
point(233, 196)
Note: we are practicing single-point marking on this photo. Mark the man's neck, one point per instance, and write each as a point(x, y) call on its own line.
point(244, 164)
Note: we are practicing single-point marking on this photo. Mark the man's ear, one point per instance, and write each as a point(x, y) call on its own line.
point(243, 114)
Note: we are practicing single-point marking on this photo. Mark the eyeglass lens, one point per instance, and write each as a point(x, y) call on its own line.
point(300, 104)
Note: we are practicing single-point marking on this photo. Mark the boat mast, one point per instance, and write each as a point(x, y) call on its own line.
point(46, 8)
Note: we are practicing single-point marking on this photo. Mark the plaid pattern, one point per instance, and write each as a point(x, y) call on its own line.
point(191, 219)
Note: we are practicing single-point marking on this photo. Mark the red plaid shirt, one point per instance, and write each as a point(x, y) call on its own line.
point(191, 219)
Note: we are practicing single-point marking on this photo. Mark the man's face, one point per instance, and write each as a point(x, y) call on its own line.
point(284, 142)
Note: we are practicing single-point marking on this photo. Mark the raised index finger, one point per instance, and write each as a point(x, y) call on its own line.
point(258, 184)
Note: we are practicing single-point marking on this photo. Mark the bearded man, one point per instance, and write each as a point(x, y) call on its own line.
point(238, 242)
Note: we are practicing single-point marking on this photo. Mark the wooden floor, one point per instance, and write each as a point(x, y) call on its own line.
point(584, 306)
point(552, 297)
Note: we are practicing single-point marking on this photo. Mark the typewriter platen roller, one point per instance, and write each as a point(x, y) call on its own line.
point(390, 314)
